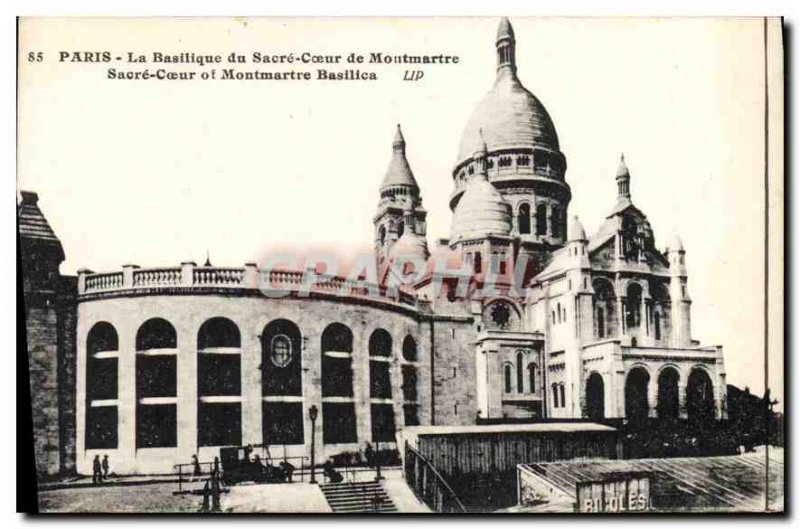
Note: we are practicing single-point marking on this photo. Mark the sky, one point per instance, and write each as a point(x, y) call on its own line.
point(158, 172)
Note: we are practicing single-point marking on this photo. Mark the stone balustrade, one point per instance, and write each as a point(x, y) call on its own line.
point(189, 275)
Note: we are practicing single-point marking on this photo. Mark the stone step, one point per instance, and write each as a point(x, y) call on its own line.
point(357, 497)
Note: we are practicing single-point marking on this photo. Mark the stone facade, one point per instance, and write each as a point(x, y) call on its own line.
point(154, 365)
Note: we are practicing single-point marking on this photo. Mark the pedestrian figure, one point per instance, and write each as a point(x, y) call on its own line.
point(105, 466)
point(196, 470)
point(288, 470)
point(97, 471)
point(369, 455)
point(206, 496)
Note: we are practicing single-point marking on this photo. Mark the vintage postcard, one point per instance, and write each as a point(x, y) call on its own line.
point(402, 265)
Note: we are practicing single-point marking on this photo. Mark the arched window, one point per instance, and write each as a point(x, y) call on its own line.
point(156, 333)
point(478, 263)
point(558, 310)
point(699, 396)
point(410, 349)
point(595, 397)
point(401, 228)
point(520, 368)
point(156, 384)
point(281, 376)
point(532, 368)
point(555, 221)
point(380, 343)
point(338, 417)
point(102, 354)
point(524, 218)
point(541, 219)
point(668, 401)
point(561, 394)
point(380, 351)
point(633, 305)
point(555, 394)
point(382, 235)
point(507, 377)
point(636, 403)
point(281, 369)
point(219, 386)
point(337, 373)
point(605, 304)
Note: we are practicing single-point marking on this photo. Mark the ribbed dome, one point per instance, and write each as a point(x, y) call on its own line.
point(675, 244)
point(410, 245)
point(482, 210)
point(510, 117)
point(399, 172)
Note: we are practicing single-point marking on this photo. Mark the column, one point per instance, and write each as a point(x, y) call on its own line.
point(682, 382)
point(251, 385)
point(360, 365)
point(652, 395)
point(126, 388)
point(187, 391)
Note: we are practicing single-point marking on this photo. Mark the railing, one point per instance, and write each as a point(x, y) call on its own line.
point(99, 282)
point(428, 485)
point(189, 275)
point(218, 276)
point(157, 277)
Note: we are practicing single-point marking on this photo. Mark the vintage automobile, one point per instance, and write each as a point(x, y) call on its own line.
point(240, 464)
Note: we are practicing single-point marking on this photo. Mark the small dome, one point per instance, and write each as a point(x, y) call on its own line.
point(410, 245)
point(399, 172)
point(675, 244)
point(481, 211)
point(575, 231)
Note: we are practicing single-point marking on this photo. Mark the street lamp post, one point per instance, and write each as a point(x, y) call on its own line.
point(312, 414)
point(378, 476)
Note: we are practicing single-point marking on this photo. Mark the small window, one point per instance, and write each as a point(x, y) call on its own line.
point(555, 395)
point(281, 350)
point(507, 373)
point(561, 391)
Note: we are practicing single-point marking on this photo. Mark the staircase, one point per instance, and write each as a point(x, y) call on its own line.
point(356, 497)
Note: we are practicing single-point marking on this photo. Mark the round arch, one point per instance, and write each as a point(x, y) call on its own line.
point(156, 333)
point(699, 395)
point(667, 403)
point(380, 343)
point(636, 402)
point(595, 397)
point(218, 332)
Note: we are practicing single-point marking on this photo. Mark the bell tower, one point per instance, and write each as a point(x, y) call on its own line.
point(399, 193)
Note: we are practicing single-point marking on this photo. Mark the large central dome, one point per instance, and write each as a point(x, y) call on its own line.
point(509, 115)
point(511, 118)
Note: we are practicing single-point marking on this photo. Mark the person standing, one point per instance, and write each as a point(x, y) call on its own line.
point(97, 471)
point(105, 466)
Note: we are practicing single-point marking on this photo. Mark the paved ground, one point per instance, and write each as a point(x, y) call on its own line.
point(143, 494)
point(154, 497)
point(275, 498)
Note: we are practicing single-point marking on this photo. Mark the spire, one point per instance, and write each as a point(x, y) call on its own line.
point(505, 45)
point(399, 143)
point(399, 172)
point(208, 258)
point(480, 155)
point(623, 179)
